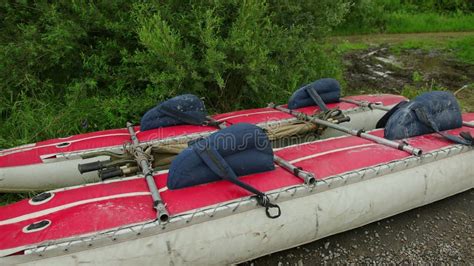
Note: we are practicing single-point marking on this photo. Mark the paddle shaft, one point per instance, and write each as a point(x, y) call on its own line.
point(147, 170)
point(307, 177)
point(358, 133)
point(386, 108)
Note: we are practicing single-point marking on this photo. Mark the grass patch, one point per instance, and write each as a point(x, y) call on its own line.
point(403, 22)
point(464, 96)
point(8, 198)
point(353, 29)
point(463, 49)
point(411, 92)
point(347, 46)
point(410, 22)
point(427, 44)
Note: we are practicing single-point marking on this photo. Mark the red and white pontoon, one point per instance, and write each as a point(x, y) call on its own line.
point(199, 212)
point(113, 222)
point(54, 163)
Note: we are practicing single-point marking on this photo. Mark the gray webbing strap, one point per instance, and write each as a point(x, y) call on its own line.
point(423, 116)
point(316, 98)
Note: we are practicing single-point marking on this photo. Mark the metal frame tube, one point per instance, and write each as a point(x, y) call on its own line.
point(162, 213)
point(358, 133)
point(308, 178)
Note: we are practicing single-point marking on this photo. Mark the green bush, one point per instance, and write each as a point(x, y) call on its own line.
point(239, 55)
point(74, 66)
point(364, 16)
point(440, 6)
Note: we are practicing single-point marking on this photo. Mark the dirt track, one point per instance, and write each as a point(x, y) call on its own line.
point(372, 39)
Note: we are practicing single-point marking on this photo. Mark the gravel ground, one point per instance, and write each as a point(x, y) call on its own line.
point(441, 232)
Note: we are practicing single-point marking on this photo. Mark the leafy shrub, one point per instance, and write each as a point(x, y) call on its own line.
point(239, 52)
point(441, 6)
point(365, 16)
point(74, 66)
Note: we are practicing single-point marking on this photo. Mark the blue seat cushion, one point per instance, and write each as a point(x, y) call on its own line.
point(189, 104)
point(441, 107)
point(328, 89)
point(245, 147)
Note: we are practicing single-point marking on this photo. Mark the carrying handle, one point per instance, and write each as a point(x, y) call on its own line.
point(264, 201)
point(110, 173)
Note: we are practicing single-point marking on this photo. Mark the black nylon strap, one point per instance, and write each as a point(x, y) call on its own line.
point(423, 116)
point(219, 166)
point(212, 122)
point(317, 99)
point(467, 136)
point(182, 116)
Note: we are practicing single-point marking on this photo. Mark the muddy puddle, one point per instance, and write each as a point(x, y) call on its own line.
point(382, 68)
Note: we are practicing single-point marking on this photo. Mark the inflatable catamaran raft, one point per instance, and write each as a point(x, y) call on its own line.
point(54, 163)
point(229, 197)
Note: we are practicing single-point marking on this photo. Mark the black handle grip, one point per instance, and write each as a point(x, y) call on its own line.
point(110, 173)
point(89, 167)
point(344, 119)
